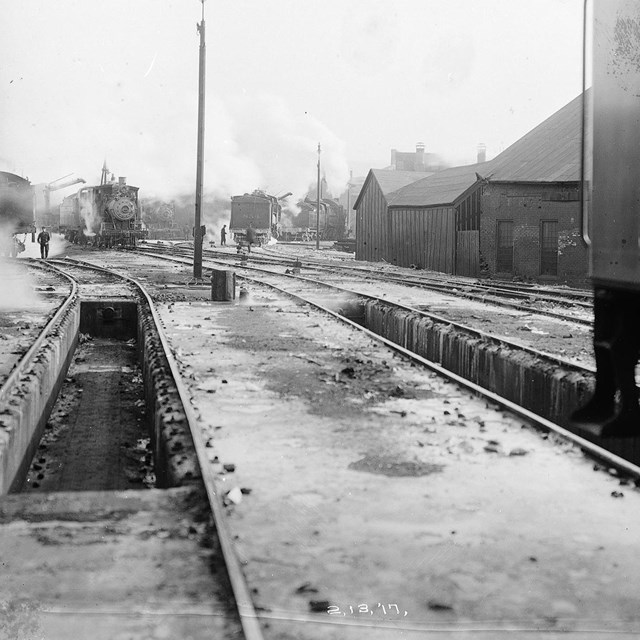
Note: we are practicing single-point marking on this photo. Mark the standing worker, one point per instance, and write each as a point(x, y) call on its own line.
point(223, 236)
point(251, 236)
point(43, 241)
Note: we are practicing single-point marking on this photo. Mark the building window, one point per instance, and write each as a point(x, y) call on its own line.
point(548, 247)
point(504, 246)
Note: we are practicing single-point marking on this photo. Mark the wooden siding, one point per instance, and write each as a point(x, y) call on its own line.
point(468, 212)
point(371, 223)
point(468, 253)
point(439, 239)
point(423, 237)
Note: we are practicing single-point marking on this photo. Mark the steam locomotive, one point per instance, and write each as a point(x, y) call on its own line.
point(270, 220)
point(611, 213)
point(107, 215)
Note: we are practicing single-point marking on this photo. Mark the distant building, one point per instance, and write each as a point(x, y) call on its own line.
point(517, 215)
point(416, 160)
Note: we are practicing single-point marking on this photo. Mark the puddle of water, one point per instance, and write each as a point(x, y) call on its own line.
point(395, 468)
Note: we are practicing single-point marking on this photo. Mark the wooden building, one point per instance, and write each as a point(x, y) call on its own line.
point(371, 210)
point(517, 215)
point(434, 223)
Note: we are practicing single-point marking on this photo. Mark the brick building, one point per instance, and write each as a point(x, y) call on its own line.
point(530, 221)
point(418, 160)
point(517, 215)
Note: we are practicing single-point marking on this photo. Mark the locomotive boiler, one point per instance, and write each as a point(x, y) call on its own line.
point(611, 212)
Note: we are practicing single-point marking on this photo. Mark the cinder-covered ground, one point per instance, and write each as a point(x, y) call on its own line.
point(558, 337)
point(363, 488)
point(28, 298)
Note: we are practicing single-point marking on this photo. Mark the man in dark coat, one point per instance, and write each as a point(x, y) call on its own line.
point(223, 236)
point(43, 241)
point(251, 236)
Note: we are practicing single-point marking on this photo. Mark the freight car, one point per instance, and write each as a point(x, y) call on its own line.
point(16, 210)
point(611, 221)
point(106, 215)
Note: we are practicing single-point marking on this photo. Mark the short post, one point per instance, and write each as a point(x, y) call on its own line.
point(223, 285)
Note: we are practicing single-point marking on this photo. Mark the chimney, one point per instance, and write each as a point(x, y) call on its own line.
point(122, 180)
point(419, 163)
point(482, 152)
point(393, 158)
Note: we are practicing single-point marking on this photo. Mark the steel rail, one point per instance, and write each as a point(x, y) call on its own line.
point(549, 293)
point(440, 286)
point(25, 361)
point(537, 421)
point(496, 290)
point(478, 333)
point(590, 449)
point(246, 611)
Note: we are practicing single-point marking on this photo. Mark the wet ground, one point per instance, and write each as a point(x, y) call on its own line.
point(360, 487)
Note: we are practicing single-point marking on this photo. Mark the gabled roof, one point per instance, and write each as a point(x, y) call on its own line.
point(443, 187)
point(548, 153)
point(390, 181)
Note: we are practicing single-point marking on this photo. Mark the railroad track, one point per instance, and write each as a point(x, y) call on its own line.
point(86, 282)
point(60, 303)
point(522, 290)
point(269, 554)
point(549, 395)
point(524, 298)
point(313, 284)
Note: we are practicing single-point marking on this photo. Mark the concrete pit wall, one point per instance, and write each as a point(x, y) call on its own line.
point(24, 414)
point(175, 459)
point(544, 388)
point(29, 405)
point(175, 456)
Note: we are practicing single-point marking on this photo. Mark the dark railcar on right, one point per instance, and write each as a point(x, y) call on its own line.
point(611, 212)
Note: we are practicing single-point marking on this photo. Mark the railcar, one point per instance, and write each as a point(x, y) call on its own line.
point(611, 212)
point(105, 215)
point(16, 210)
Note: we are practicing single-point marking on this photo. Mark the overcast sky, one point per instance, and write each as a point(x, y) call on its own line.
point(84, 80)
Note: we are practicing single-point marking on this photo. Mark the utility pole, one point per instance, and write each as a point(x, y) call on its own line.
point(198, 236)
point(318, 205)
point(349, 200)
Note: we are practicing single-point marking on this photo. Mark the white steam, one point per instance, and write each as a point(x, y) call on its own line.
point(89, 215)
point(260, 143)
point(18, 287)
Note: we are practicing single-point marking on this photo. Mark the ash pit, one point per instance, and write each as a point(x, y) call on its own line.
point(97, 437)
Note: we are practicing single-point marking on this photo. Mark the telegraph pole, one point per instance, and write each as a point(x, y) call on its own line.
point(197, 231)
point(318, 205)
